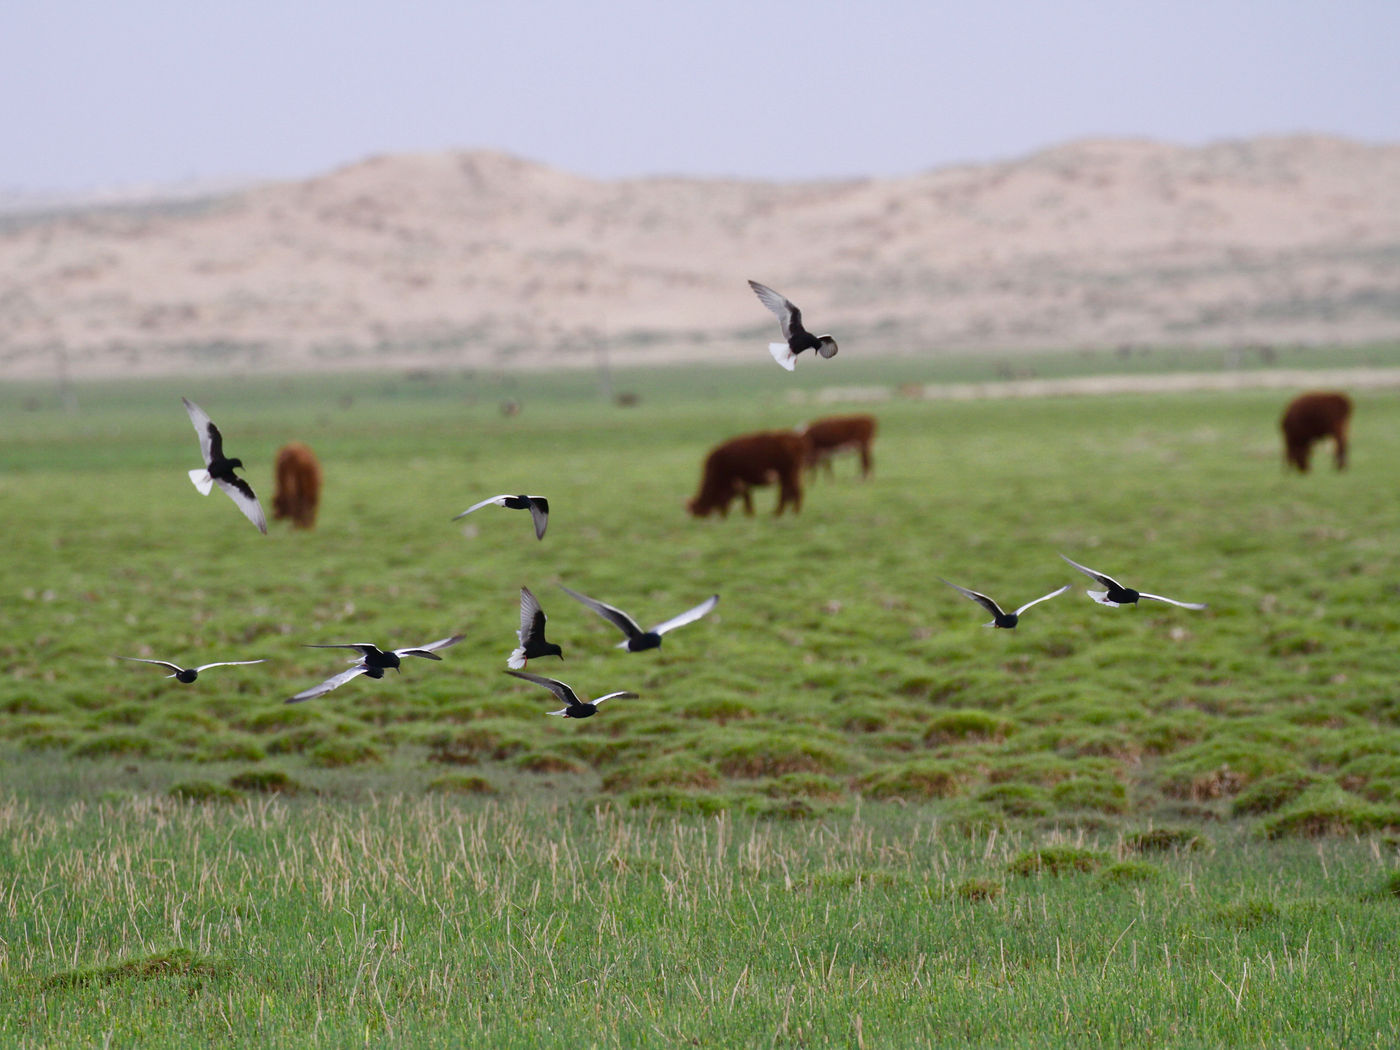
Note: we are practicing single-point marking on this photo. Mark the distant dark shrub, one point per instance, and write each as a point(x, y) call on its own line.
point(265, 781)
point(1247, 914)
point(979, 889)
point(461, 784)
point(1163, 840)
point(785, 808)
point(1056, 860)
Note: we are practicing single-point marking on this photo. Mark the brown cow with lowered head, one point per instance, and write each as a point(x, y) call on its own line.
point(743, 463)
point(826, 437)
point(298, 485)
point(1311, 417)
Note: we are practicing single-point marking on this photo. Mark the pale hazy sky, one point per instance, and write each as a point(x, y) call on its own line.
point(114, 92)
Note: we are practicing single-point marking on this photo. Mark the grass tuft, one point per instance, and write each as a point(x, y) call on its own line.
point(919, 778)
point(331, 754)
point(966, 724)
point(461, 784)
point(979, 889)
point(1056, 860)
point(1325, 809)
point(178, 962)
point(1272, 793)
point(266, 782)
point(1164, 840)
point(1131, 872)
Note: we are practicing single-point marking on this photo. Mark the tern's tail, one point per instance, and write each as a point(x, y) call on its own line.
point(202, 481)
point(783, 355)
point(517, 659)
point(1101, 597)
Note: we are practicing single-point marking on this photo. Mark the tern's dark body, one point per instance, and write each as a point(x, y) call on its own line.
point(373, 662)
point(1000, 617)
point(219, 468)
point(642, 642)
point(1114, 593)
point(581, 709)
point(795, 334)
point(537, 647)
point(538, 507)
point(533, 643)
point(188, 675)
point(638, 640)
point(575, 706)
point(372, 657)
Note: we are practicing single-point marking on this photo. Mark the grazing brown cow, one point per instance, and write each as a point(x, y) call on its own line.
point(826, 437)
point(743, 463)
point(298, 485)
point(1310, 418)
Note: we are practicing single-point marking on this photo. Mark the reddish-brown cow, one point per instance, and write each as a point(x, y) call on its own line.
point(743, 463)
point(1311, 417)
point(298, 485)
point(826, 437)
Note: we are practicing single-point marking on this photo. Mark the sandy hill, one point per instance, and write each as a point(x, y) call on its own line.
point(478, 259)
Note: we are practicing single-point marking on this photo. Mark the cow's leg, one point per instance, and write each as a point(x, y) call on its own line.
point(790, 491)
point(1297, 451)
point(865, 461)
point(1340, 434)
point(746, 493)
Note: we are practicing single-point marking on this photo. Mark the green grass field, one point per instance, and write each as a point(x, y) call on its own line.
point(841, 813)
